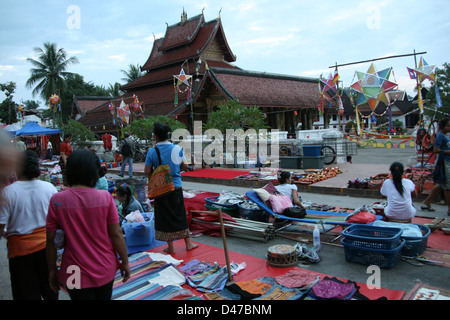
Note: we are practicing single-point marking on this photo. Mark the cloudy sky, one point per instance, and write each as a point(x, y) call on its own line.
point(293, 37)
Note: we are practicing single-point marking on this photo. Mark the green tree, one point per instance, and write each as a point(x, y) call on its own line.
point(143, 128)
point(443, 81)
point(31, 104)
point(49, 70)
point(236, 116)
point(114, 90)
point(80, 133)
point(8, 106)
point(133, 72)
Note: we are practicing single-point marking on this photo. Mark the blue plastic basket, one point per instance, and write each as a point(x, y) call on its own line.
point(415, 246)
point(372, 237)
point(385, 259)
point(140, 233)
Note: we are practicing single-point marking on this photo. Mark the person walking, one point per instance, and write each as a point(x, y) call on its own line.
point(170, 214)
point(24, 213)
point(127, 155)
point(64, 152)
point(442, 147)
point(93, 238)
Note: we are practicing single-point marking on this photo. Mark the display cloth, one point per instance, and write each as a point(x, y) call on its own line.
point(254, 280)
point(215, 173)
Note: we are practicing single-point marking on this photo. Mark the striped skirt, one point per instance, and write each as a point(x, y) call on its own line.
point(170, 217)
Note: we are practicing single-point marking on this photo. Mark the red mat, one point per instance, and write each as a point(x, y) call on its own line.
point(256, 268)
point(216, 173)
point(437, 239)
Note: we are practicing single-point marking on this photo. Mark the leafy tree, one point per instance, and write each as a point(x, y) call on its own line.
point(114, 90)
point(8, 106)
point(133, 72)
point(49, 70)
point(80, 133)
point(236, 116)
point(143, 128)
point(31, 104)
point(443, 82)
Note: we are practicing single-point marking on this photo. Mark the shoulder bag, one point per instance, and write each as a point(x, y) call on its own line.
point(160, 183)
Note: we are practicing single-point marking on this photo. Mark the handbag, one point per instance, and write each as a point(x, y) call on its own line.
point(295, 212)
point(280, 202)
point(160, 183)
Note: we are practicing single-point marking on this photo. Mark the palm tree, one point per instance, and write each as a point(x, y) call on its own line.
point(134, 72)
point(49, 70)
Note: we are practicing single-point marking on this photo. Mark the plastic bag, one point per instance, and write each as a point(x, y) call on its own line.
point(362, 215)
point(279, 203)
point(135, 216)
point(59, 239)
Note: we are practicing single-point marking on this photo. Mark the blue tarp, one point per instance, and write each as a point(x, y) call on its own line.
point(33, 129)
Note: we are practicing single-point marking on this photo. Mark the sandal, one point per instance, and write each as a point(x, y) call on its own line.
point(425, 208)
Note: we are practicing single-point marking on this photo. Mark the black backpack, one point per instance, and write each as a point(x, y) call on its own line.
point(126, 149)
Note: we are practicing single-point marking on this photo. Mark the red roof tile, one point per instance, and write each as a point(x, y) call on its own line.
point(182, 34)
point(267, 90)
point(207, 32)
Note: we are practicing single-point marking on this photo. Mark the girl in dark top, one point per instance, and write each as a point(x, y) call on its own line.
point(129, 203)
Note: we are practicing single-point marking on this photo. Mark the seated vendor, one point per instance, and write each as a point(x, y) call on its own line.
point(129, 203)
point(399, 192)
point(117, 157)
point(286, 188)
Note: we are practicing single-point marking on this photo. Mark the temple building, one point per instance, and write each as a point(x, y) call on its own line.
point(200, 48)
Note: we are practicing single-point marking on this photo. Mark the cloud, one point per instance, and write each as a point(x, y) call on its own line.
point(118, 57)
point(7, 68)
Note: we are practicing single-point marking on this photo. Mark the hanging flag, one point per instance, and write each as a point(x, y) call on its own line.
point(438, 96)
point(336, 76)
point(411, 72)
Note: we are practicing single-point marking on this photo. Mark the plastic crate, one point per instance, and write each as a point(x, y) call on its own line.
point(253, 214)
point(385, 259)
point(312, 150)
point(372, 237)
point(140, 233)
point(415, 246)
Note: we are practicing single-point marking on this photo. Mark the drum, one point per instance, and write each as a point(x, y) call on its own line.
point(282, 255)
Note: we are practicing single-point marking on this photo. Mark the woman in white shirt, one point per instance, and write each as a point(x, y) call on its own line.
point(399, 191)
point(286, 188)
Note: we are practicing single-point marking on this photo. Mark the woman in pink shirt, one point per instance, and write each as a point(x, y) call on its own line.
point(93, 238)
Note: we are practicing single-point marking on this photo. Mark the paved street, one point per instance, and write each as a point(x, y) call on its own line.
point(401, 277)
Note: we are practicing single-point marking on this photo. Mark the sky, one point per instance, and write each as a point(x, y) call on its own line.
point(291, 37)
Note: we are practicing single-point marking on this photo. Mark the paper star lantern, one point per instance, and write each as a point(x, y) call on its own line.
point(328, 87)
point(423, 72)
point(183, 78)
point(372, 87)
point(179, 81)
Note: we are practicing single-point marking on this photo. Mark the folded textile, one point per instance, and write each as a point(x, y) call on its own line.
point(297, 279)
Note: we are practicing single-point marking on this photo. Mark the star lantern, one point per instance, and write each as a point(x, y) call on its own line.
point(372, 87)
point(181, 84)
point(328, 89)
point(123, 112)
point(422, 73)
point(136, 105)
point(54, 102)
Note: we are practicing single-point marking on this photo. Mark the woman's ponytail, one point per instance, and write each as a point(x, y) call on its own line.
point(397, 176)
